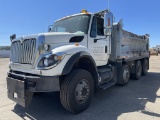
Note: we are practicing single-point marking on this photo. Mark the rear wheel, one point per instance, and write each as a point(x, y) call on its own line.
point(77, 90)
point(125, 77)
point(138, 70)
point(145, 67)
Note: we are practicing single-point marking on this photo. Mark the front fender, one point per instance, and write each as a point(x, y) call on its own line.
point(76, 53)
point(74, 58)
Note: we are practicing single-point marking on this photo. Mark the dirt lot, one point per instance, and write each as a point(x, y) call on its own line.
point(139, 100)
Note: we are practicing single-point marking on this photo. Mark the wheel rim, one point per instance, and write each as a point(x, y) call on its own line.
point(82, 91)
point(126, 75)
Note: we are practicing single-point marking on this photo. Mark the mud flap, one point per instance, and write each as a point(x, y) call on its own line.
point(18, 93)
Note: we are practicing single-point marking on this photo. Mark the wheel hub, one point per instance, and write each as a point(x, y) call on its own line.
point(82, 91)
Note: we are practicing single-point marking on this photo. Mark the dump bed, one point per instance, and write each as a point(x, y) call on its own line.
point(128, 46)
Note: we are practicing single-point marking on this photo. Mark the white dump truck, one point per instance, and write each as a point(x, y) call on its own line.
point(78, 55)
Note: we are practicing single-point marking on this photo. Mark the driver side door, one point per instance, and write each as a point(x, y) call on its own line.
point(98, 43)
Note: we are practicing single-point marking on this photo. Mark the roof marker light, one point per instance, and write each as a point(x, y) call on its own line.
point(84, 11)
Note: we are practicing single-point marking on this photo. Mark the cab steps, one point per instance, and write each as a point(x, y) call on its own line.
point(107, 85)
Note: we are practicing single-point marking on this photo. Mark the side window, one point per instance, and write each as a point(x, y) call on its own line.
point(100, 26)
point(97, 27)
point(93, 28)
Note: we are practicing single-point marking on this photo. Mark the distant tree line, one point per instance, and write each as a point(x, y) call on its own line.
point(5, 47)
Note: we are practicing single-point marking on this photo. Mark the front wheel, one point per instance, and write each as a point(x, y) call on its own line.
point(77, 89)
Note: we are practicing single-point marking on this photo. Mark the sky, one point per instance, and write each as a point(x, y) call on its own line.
point(24, 17)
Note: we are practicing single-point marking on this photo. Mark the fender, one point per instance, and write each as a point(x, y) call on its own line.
point(69, 65)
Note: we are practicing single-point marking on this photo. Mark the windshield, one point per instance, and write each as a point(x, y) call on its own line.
point(72, 24)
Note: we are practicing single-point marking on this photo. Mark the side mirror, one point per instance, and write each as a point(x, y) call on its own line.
point(108, 23)
point(13, 37)
point(49, 28)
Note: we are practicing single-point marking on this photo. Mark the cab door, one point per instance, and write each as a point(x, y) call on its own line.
point(98, 44)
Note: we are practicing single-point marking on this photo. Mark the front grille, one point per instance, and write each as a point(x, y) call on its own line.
point(23, 53)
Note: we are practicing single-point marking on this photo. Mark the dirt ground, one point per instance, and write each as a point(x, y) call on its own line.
point(139, 100)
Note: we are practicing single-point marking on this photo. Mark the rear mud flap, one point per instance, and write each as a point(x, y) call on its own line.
point(18, 93)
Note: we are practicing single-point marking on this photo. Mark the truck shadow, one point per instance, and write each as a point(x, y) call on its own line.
point(108, 104)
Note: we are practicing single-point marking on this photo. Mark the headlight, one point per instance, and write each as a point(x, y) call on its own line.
point(45, 62)
point(55, 58)
point(51, 60)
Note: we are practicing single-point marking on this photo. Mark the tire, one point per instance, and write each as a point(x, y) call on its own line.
point(125, 75)
point(145, 67)
point(138, 70)
point(76, 91)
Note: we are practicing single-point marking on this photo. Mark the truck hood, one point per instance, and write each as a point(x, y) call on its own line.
point(53, 37)
point(61, 37)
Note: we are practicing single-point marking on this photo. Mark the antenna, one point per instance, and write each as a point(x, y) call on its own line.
point(108, 5)
point(42, 26)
